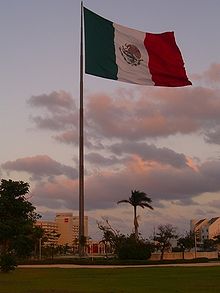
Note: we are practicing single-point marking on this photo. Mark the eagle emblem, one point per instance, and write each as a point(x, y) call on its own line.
point(131, 54)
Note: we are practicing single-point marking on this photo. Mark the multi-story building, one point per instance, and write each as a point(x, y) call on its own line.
point(66, 226)
point(76, 226)
point(212, 229)
point(205, 229)
point(64, 223)
point(51, 232)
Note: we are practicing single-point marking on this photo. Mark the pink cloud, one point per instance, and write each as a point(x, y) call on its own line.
point(58, 193)
point(154, 113)
point(68, 137)
point(138, 115)
point(40, 166)
point(161, 182)
point(212, 74)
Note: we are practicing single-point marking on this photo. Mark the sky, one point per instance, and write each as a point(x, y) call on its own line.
point(163, 141)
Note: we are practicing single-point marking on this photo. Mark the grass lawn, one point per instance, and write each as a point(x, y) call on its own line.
point(152, 280)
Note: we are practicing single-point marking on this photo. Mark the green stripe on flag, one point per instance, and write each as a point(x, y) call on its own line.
point(100, 59)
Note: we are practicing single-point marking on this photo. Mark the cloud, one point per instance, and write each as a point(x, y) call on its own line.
point(39, 167)
point(100, 160)
point(58, 113)
point(60, 193)
point(213, 135)
point(139, 115)
point(71, 136)
point(68, 137)
point(161, 182)
point(118, 157)
point(54, 102)
point(215, 204)
point(153, 113)
point(150, 153)
point(212, 74)
point(55, 122)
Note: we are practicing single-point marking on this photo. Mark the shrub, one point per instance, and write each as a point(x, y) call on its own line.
point(7, 263)
point(132, 248)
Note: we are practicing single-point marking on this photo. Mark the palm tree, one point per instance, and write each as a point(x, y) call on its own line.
point(136, 199)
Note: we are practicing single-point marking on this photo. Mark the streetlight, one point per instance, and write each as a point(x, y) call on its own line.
point(195, 242)
point(40, 248)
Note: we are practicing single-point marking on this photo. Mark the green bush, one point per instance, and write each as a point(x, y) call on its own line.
point(132, 248)
point(7, 263)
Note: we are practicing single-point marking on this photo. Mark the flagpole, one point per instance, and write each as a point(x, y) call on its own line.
point(81, 148)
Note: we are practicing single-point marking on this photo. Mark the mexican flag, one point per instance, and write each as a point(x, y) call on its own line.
point(116, 52)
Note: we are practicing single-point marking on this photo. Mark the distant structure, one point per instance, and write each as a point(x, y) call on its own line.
point(51, 232)
point(205, 229)
point(66, 226)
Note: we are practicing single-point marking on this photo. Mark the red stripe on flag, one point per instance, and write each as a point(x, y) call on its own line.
point(165, 60)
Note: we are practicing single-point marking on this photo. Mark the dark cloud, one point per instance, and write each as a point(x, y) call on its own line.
point(60, 113)
point(104, 189)
point(117, 127)
point(213, 135)
point(53, 102)
point(150, 153)
point(100, 160)
point(184, 202)
point(211, 171)
point(71, 136)
point(55, 122)
point(160, 183)
point(60, 193)
point(40, 166)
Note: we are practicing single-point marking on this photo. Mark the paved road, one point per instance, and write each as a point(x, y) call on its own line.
point(72, 266)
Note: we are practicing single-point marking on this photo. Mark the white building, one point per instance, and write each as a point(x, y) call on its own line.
point(205, 229)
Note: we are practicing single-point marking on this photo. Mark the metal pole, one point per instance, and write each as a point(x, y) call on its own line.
point(81, 148)
point(40, 248)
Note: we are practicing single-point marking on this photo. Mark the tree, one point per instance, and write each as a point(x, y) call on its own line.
point(50, 244)
point(111, 237)
point(80, 242)
point(217, 242)
point(163, 237)
point(136, 199)
point(209, 245)
point(133, 248)
point(17, 218)
point(217, 239)
point(125, 247)
point(38, 237)
point(186, 242)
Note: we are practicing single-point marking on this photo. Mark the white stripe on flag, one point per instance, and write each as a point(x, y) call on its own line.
point(139, 73)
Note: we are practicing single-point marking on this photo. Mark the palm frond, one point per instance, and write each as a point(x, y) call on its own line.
point(146, 205)
point(124, 201)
